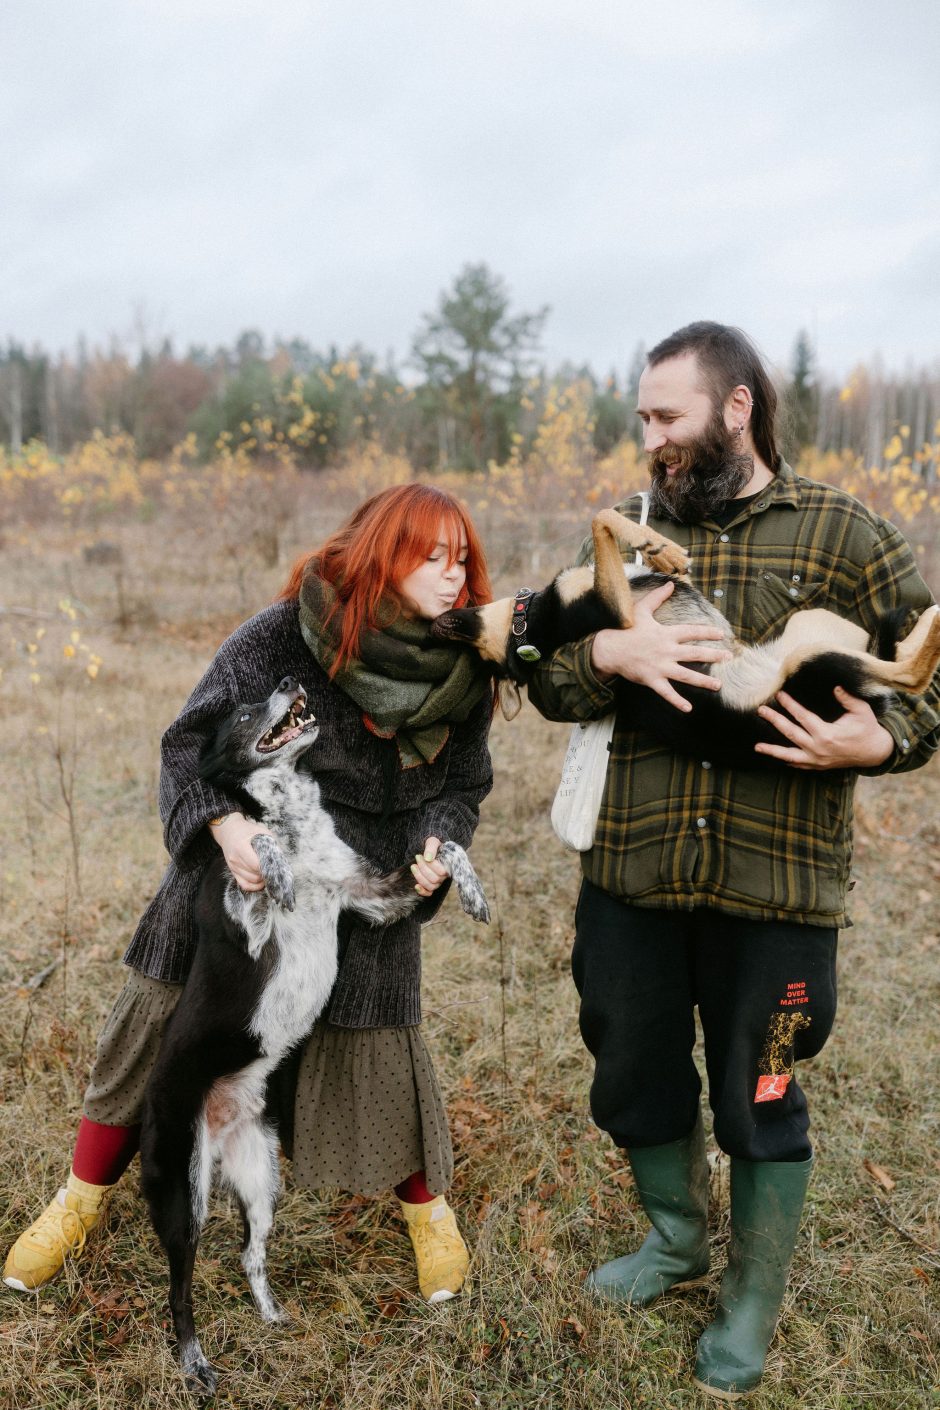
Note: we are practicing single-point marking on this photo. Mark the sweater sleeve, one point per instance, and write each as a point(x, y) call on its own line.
point(890, 580)
point(186, 802)
point(454, 814)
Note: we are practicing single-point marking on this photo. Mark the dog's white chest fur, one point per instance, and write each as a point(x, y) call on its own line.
point(304, 939)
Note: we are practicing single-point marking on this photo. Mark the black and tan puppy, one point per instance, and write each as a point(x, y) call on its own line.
point(816, 651)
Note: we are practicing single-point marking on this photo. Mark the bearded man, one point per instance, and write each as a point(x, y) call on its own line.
point(718, 888)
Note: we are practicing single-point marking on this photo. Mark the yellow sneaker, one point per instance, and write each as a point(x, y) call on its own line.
point(58, 1233)
point(440, 1252)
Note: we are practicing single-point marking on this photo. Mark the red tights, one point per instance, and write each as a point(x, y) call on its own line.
point(103, 1153)
point(414, 1190)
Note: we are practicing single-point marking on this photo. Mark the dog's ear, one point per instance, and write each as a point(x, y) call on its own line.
point(510, 701)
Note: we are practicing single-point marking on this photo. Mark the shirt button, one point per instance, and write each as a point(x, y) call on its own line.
point(796, 578)
point(719, 592)
point(762, 505)
point(706, 764)
point(723, 538)
point(701, 822)
point(905, 744)
point(794, 592)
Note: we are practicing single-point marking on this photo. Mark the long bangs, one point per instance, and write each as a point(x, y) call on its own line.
point(380, 544)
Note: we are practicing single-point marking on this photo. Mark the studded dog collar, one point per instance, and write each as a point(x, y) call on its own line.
point(520, 625)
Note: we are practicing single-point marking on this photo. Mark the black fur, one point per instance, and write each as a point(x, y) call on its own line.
point(262, 971)
point(714, 729)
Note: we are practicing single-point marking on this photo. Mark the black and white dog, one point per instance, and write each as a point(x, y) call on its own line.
point(816, 651)
point(264, 966)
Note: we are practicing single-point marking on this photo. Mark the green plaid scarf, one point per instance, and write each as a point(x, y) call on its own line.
point(409, 686)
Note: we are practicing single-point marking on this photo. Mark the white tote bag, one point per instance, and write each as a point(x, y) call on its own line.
point(584, 772)
point(583, 775)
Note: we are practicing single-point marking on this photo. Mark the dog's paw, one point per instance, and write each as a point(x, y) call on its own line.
point(667, 557)
point(278, 877)
point(281, 889)
point(202, 1380)
point(469, 887)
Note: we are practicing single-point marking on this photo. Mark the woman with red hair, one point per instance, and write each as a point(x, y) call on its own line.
point(402, 764)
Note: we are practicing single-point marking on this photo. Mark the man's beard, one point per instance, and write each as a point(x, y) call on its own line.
point(708, 471)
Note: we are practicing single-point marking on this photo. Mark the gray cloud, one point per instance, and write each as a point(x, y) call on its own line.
point(325, 169)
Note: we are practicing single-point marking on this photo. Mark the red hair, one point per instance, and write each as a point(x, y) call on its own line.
point(386, 538)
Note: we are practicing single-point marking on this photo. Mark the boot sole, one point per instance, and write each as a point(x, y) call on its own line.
point(600, 1294)
point(718, 1394)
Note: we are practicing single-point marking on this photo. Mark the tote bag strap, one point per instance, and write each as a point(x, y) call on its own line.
point(644, 516)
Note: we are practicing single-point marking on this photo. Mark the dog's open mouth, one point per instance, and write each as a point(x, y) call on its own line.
point(294, 723)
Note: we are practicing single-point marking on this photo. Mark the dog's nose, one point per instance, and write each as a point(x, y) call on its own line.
point(288, 683)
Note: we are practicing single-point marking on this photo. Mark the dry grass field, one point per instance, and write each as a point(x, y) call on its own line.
point(97, 658)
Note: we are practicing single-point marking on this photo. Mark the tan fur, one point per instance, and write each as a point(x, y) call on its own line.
point(662, 555)
point(753, 675)
point(496, 625)
point(912, 672)
point(807, 634)
point(576, 582)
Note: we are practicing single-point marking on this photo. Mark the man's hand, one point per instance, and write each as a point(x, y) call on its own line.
point(653, 654)
point(234, 834)
point(854, 741)
point(428, 873)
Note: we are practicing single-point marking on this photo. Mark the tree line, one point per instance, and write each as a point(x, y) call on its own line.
point(473, 390)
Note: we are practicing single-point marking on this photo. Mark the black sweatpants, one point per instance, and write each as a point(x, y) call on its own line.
point(766, 996)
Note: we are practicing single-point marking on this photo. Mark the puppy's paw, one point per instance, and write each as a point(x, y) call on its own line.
point(667, 557)
point(469, 887)
point(278, 877)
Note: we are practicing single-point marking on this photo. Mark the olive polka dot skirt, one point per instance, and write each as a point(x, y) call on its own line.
point(368, 1111)
point(127, 1050)
point(358, 1108)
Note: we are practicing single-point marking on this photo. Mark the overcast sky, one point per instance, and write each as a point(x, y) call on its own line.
point(325, 169)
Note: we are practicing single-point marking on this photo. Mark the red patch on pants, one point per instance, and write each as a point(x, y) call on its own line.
point(771, 1089)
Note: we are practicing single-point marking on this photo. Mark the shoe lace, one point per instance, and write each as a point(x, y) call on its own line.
point(436, 1243)
point(58, 1227)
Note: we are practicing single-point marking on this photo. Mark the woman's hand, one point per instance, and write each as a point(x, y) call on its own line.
point(854, 741)
point(428, 873)
point(234, 834)
point(654, 654)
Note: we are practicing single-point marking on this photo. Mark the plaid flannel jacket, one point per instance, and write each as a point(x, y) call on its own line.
point(677, 833)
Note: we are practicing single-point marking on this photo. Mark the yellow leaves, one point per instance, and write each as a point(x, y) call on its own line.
point(68, 651)
point(91, 670)
point(893, 448)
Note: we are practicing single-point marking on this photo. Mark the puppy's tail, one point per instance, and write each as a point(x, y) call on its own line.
point(884, 643)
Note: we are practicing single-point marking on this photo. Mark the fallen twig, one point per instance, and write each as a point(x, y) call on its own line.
point(38, 980)
point(934, 1260)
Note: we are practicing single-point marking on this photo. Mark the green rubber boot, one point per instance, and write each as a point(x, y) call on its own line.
point(672, 1182)
point(766, 1203)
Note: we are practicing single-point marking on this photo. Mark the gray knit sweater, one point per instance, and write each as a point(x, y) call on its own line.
point(379, 982)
